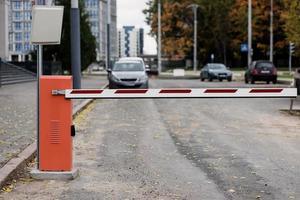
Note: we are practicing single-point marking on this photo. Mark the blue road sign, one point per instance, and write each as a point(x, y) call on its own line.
point(244, 47)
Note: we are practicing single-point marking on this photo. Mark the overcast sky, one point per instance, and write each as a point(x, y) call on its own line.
point(130, 13)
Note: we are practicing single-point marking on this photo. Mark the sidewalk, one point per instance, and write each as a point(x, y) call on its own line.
point(18, 115)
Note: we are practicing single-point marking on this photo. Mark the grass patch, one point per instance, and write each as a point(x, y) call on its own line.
point(292, 112)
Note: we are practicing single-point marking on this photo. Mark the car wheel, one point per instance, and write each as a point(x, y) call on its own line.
point(202, 79)
point(274, 81)
point(246, 80)
point(268, 82)
point(111, 86)
point(221, 80)
point(252, 81)
point(210, 79)
point(229, 79)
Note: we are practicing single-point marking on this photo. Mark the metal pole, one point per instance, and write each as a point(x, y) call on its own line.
point(0, 73)
point(271, 33)
point(75, 44)
point(39, 73)
point(195, 8)
point(159, 38)
point(108, 62)
point(290, 57)
point(249, 32)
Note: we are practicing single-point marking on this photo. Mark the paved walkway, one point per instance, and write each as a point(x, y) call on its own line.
point(18, 115)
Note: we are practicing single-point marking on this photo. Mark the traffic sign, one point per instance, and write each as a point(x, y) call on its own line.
point(244, 47)
point(292, 48)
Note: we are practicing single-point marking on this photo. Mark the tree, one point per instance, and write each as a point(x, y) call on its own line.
point(176, 27)
point(222, 28)
point(260, 25)
point(88, 42)
point(292, 19)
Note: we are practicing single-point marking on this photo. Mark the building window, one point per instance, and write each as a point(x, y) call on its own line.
point(17, 16)
point(27, 36)
point(27, 46)
point(41, 2)
point(27, 26)
point(19, 47)
point(27, 5)
point(27, 15)
point(17, 5)
point(17, 26)
point(18, 37)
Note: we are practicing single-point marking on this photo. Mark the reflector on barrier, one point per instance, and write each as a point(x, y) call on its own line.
point(179, 93)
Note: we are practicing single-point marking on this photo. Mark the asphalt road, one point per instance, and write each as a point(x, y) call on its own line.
point(181, 149)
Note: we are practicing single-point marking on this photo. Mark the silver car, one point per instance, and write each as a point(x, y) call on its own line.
point(128, 74)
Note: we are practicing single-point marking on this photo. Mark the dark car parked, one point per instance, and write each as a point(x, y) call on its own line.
point(213, 71)
point(261, 71)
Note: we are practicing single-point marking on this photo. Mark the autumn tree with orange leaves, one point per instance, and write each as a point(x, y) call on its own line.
point(222, 28)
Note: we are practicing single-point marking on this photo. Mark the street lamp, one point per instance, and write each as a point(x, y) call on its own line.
point(159, 38)
point(271, 32)
point(195, 9)
point(108, 34)
point(249, 32)
point(75, 44)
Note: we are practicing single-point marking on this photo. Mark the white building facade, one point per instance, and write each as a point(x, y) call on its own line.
point(19, 29)
point(130, 41)
point(97, 12)
point(4, 8)
point(15, 26)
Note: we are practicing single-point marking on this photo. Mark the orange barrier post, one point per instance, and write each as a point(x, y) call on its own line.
point(55, 141)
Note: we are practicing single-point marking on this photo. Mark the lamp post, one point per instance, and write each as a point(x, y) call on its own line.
point(271, 33)
point(249, 32)
point(108, 34)
point(75, 44)
point(195, 9)
point(159, 38)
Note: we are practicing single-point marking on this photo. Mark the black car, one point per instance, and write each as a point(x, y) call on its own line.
point(213, 71)
point(261, 71)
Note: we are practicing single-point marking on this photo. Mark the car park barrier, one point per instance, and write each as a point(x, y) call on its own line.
point(55, 148)
point(178, 93)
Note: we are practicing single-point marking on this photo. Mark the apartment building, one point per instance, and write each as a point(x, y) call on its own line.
point(131, 41)
point(97, 12)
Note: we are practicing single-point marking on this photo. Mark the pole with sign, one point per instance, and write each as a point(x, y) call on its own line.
point(291, 52)
point(44, 32)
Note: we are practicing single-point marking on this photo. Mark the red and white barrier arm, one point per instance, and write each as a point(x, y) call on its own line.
point(178, 93)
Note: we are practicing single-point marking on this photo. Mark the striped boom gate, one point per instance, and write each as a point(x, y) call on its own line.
point(178, 93)
point(57, 130)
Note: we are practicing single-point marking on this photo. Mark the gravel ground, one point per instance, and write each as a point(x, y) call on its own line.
point(17, 115)
point(181, 149)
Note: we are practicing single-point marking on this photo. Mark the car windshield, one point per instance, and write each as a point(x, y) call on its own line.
point(264, 65)
point(132, 67)
point(131, 60)
point(217, 67)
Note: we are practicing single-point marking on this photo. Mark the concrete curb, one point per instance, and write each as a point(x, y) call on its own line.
point(17, 164)
point(285, 82)
point(162, 77)
point(11, 169)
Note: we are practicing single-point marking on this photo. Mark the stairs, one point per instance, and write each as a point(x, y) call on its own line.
point(11, 74)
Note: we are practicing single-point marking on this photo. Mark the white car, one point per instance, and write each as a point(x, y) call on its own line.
point(128, 74)
point(138, 59)
point(132, 59)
